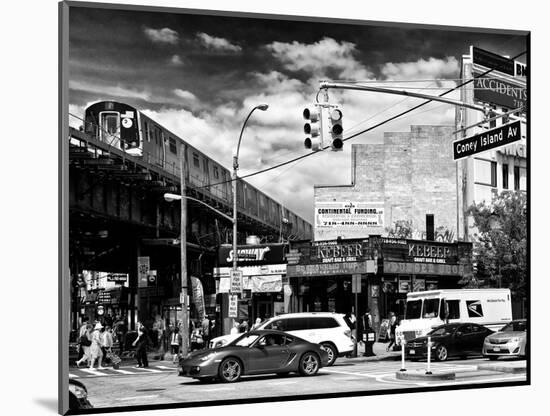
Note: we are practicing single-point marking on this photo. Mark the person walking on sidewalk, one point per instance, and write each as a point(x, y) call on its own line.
point(205, 324)
point(82, 331)
point(391, 331)
point(107, 343)
point(175, 344)
point(141, 343)
point(95, 349)
point(85, 343)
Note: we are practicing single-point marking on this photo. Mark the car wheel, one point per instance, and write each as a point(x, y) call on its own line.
point(441, 353)
point(331, 351)
point(309, 364)
point(230, 370)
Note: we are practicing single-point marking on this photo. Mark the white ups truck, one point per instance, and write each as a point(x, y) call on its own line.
point(426, 310)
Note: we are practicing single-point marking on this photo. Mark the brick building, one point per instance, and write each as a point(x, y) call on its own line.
point(408, 176)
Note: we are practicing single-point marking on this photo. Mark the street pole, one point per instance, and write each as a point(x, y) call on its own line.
point(183, 251)
point(262, 107)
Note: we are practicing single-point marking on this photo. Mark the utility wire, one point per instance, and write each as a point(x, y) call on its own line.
point(373, 127)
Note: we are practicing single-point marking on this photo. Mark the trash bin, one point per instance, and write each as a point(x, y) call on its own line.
point(368, 338)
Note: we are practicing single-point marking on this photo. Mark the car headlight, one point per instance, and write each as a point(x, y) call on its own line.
point(207, 357)
point(79, 392)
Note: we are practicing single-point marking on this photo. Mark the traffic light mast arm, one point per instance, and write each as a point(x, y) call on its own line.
point(327, 84)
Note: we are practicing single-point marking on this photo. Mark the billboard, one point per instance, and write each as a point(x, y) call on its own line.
point(348, 219)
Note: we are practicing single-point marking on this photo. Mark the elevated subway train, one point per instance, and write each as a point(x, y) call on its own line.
point(128, 129)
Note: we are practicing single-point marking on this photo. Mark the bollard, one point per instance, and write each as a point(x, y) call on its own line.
point(403, 343)
point(429, 345)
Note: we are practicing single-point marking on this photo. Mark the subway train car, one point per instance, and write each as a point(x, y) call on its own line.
point(131, 131)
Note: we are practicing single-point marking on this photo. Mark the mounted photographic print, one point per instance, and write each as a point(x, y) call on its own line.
point(261, 208)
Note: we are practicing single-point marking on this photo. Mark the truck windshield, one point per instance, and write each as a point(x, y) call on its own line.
point(413, 309)
point(431, 307)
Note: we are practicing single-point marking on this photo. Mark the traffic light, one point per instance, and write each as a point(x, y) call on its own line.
point(313, 128)
point(336, 129)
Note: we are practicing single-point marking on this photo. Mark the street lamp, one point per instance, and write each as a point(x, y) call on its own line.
point(168, 197)
point(262, 107)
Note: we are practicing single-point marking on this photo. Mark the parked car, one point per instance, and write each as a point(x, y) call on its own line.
point(327, 329)
point(509, 341)
point(255, 352)
point(449, 340)
point(78, 396)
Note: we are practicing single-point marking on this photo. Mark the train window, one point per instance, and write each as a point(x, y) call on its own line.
point(146, 125)
point(172, 145)
point(196, 160)
point(205, 166)
point(216, 172)
point(110, 128)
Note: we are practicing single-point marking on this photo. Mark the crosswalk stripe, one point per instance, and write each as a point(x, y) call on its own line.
point(122, 371)
point(149, 370)
point(163, 367)
point(94, 372)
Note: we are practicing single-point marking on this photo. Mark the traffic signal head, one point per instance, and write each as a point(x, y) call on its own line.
point(336, 129)
point(313, 128)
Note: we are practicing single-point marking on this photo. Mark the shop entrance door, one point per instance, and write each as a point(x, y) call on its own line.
point(264, 309)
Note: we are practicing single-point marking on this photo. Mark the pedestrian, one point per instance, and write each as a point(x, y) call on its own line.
point(141, 343)
point(85, 343)
point(95, 349)
point(107, 343)
point(235, 329)
point(119, 329)
point(205, 324)
point(257, 323)
point(175, 344)
point(82, 331)
point(391, 330)
point(243, 327)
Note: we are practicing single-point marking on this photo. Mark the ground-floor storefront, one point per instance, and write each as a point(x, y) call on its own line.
point(353, 276)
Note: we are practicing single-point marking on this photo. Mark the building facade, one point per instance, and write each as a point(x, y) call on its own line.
point(411, 176)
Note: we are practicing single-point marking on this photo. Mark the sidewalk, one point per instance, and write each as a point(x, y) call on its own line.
point(379, 349)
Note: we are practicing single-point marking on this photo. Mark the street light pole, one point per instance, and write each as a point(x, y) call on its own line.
point(183, 253)
point(262, 107)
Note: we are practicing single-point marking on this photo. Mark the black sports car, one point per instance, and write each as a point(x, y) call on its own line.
point(449, 340)
point(255, 352)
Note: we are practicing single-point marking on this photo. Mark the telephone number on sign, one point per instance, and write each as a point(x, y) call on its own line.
point(370, 223)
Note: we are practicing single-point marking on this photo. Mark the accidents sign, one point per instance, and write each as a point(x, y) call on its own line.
point(487, 140)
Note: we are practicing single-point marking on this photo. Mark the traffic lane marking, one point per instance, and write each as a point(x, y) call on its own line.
point(93, 371)
point(138, 398)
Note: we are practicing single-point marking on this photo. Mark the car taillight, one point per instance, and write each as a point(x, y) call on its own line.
point(347, 333)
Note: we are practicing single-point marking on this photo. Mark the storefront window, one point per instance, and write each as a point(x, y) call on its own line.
point(413, 309)
point(431, 307)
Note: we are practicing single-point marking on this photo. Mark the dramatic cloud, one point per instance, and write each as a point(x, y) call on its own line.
point(434, 68)
point(218, 44)
point(323, 57)
point(176, 60)
point(164, 35)
point(109, 90)
point(186, 95)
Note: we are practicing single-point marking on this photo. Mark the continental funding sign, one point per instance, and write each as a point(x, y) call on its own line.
point(488, 140)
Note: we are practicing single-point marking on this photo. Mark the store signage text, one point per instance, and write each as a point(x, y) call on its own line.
point(249, 254)
point(349, 214)
point(499, 92)
point(497, 137)
point(424, 253)
point(339, 253)
point(327, 269)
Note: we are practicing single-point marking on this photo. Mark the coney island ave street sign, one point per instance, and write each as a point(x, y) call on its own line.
point(487, 140)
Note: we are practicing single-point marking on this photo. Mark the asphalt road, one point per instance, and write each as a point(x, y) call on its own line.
point(160, 384)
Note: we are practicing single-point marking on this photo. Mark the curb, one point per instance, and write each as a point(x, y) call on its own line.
point(385, 357)
point(503, 368)
point(421, 375)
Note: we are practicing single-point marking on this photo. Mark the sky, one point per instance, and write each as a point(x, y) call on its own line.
point(199, 76)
